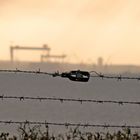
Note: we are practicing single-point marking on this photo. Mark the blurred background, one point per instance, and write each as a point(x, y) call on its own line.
point(82, 32)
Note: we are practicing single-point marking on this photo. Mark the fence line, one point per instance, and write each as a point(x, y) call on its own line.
point(98, 75)
point(119, 78)
point(27, 72)
point(22, 98)
point(68, 124)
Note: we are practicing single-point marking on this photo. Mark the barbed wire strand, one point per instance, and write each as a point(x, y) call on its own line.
point(119, 78)
point(28, 72)
point(10, 122)
point(98, 75)
point(22, 98)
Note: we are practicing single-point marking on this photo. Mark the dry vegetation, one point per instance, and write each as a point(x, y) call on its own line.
point(26, 132)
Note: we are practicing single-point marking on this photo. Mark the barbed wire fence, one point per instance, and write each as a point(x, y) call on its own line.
point(97, 75)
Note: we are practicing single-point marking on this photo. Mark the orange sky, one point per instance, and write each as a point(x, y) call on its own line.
point(83, 29)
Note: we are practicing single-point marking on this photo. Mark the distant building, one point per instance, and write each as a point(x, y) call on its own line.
point(100, 61)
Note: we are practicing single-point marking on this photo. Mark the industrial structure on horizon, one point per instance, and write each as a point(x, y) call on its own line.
point(44, 48)
point(46, 64)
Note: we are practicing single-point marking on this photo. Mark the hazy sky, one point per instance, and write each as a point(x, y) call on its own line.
point(83, 29)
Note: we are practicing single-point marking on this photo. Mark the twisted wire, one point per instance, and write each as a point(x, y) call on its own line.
point(119, 78)
point(98, 75)
point(22, 98)
point(10, 122)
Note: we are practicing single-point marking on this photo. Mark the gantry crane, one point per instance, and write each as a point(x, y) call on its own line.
point(43, 48)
